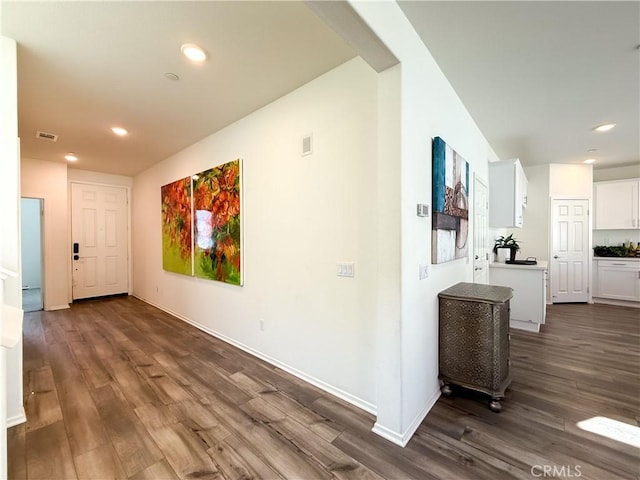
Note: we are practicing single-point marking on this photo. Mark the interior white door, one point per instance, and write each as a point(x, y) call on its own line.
point(570, 250)
point(99, 226)
point(480, 231)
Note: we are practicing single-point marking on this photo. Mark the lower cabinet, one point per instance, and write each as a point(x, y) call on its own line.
point(529, 284)
point(617, 279)
point(474, 339)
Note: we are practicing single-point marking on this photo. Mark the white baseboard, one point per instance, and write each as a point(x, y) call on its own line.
point(57, 307)
point(346, 396)
point(619, 303)
point(528, 326)
point(17, 419)
point(403, 438)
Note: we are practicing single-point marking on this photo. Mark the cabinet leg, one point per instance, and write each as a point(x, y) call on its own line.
point(495, 405)
point(446, 389)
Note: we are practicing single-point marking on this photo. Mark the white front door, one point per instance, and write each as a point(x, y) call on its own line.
point(99, 240)
point(570, 251)
point(480, 232)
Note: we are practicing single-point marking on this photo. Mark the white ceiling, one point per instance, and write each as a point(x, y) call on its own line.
point(84, 67)
point(535, 76)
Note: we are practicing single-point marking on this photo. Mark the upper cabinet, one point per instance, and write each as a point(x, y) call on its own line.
point(617, 204)
point(507, 193)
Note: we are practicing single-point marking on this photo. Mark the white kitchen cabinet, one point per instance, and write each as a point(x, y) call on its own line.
point(507, 193)
point(617, 204)
point(617, 279)
point(529, 284)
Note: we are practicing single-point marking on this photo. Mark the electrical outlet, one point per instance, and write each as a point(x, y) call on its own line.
point(424, 271)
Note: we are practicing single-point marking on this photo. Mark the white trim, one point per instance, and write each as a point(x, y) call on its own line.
point(347, 397)
point(526, 326)
point(17, 419)
point(402, 439)
point(128, 189)
point(619, 303)
point(57, 307)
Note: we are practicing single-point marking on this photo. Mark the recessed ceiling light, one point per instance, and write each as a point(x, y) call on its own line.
point(193, 52)
point(172, 76)
point(121, 132)
point(590, 160)
point(592, 150)
point(605, 127)
point(71, 157)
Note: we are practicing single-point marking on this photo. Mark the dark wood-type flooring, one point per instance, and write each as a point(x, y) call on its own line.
point(119, 389)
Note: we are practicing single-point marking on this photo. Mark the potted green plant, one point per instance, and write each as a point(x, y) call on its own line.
point(507, 242)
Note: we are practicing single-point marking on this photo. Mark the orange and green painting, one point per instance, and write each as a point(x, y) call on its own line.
point(176, 227)
point(217, 235)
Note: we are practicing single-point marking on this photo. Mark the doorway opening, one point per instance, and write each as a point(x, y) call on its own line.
point(31, 247)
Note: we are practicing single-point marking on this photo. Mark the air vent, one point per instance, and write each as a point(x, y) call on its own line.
point(307, 145)
point(52, 137)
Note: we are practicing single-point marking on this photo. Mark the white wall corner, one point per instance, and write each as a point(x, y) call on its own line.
point(402, 438)
point(17, 419)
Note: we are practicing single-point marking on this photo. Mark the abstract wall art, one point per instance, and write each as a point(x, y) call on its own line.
point(176, 227)
point(217, 223)
point(202, 224)
point(450, 225)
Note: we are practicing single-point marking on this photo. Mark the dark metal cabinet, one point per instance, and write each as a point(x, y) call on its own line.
point(474, 339)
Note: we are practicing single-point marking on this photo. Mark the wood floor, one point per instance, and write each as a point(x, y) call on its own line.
point(119, 389)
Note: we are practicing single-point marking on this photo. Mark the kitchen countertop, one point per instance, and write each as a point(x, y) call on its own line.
point(542, 265)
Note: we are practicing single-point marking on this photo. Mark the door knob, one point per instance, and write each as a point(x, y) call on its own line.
point(555, 256)
point(477, 257)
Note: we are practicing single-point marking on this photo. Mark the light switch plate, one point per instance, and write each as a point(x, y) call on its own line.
point(346, 269)
point(424, 271)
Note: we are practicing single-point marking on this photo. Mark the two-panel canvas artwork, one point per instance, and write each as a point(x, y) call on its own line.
point(201, 224)
point(450, 226)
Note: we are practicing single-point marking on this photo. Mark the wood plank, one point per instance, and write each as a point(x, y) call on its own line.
point(92, 367)
point(41, 399)
point(238, 462)
point(17, 448)
point(83, 424)
point(132, 384)
point(165, 393)
point(158, 471)
point(49, 454)
point(101, 463)
point(277, 452)
point(318, 450)
point(132, 442)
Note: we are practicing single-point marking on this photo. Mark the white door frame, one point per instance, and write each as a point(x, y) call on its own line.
point(70, 237)
point(485, 262)
point(590, 249)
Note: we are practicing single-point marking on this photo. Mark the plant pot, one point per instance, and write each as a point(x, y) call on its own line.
point(506, 253)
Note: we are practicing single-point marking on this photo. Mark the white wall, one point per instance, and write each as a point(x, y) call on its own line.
point(616, 173)
point(301, 216)
point(533, 237)
point(48, 180)
point(11, 411)
point(30, 241)
point(428, 107)
point(87, 176)
point(570, 180)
